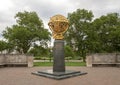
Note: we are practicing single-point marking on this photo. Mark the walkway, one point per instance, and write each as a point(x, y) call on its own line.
point(95, 76)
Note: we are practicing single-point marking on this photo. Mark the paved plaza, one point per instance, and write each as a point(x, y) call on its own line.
point(95, 76)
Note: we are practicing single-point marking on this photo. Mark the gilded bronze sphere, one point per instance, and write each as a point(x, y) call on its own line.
point(58, 25)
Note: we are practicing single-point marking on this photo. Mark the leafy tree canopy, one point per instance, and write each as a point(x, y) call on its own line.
point(78, 30)
point(107, 28)
point(86, 35)
point(28, 30)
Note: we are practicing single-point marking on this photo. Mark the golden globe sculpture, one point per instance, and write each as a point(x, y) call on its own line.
point(58, 24)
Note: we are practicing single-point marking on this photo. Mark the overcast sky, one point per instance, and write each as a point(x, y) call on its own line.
point(47, 8)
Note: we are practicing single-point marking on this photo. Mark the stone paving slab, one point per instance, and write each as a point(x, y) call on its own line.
point(95, 76)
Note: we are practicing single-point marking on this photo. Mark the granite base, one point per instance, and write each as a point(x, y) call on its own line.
point(58, 75)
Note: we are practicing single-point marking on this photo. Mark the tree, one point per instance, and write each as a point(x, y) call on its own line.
point(2, 45)
point(88, 36)
point(80, 22)
point(39, 51)
point(107, 28)
point(28, 30)
point(69, 52)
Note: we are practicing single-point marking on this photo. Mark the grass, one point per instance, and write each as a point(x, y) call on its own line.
point(67, 64)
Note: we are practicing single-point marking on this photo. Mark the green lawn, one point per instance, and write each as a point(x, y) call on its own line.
point(67, 64)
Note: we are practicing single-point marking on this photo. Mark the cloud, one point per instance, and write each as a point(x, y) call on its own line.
point(44, 8)
point(47, 8)
point(98, 7)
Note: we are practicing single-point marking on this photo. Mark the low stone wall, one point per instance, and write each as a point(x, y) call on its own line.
point(16, 60)
point(103, 59)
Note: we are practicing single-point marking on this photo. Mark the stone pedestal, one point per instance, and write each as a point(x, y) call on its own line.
point(89, 61)
point(58, 54)
point(58, 72)
point(30, 61)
